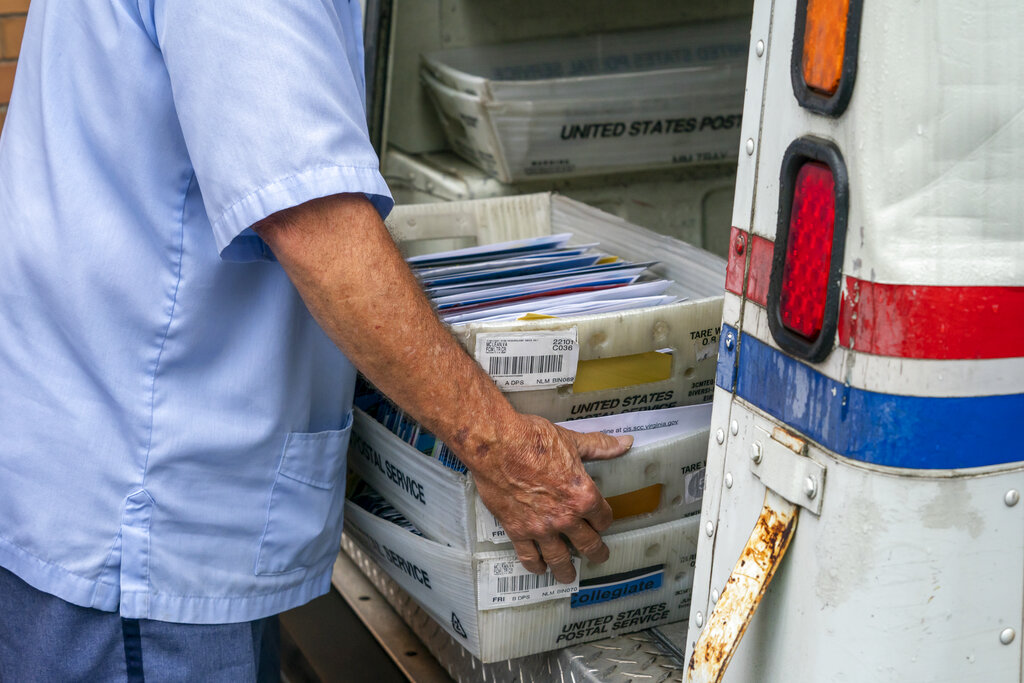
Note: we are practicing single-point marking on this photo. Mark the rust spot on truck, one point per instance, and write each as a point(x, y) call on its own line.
point(790, 441)
point(743, 591)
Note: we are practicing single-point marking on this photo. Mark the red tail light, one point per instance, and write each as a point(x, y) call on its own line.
point(808, 251)
point(803, 292)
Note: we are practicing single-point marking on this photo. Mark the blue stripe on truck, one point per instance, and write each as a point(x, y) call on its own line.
point(884, 429)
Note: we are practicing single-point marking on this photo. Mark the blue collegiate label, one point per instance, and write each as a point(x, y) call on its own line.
point(607, 588)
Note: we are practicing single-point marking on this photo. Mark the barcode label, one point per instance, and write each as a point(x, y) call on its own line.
point(518, 365)
point(518, 584)
point(523, 361)
point(504, 582)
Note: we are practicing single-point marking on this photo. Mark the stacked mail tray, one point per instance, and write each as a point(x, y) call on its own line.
point(686, 330)
point(649, 485)
point(497, 610)
point(593, 104)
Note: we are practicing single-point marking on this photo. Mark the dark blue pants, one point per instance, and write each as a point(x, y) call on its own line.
point(44, 639)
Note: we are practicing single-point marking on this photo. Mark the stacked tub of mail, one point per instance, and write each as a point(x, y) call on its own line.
point(593, 104)
point(652, 655)
point(458, 565)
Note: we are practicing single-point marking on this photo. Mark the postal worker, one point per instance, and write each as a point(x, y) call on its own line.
point(193, 265)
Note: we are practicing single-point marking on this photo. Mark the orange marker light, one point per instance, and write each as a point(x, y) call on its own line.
point(824, 44)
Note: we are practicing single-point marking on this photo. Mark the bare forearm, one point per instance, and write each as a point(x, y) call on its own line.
point(366, 299)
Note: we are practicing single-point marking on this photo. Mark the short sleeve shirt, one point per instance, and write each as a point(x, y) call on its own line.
point(172, 421)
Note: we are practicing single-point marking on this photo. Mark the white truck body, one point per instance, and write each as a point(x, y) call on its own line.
point(898, 449)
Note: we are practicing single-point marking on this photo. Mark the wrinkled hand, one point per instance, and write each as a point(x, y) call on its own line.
point(539, 491)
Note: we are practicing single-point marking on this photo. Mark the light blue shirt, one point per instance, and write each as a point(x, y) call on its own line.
point(172, 421)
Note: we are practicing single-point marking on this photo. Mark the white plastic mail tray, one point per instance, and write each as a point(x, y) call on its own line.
point(498, 611)
point(648, 485)
point(685, 333)
point(594, 104)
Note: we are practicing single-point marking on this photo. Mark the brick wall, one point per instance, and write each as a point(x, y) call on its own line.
point(12, 25)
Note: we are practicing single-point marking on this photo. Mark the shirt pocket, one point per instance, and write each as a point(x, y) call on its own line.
point(304, 517)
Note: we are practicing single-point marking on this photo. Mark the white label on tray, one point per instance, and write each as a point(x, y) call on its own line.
point(525, 361)
point(488, 528)
point(504, 582)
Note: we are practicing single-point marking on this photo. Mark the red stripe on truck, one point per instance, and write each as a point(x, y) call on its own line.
point(760, 265)
point(737, 261)
point(905, 321)
point(761, 251)
point(927, 321)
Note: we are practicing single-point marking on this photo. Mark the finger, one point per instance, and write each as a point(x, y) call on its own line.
point(529, 556)
point(598, 446)
point(588, 542)
point(599, 516)
point(556, 555)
